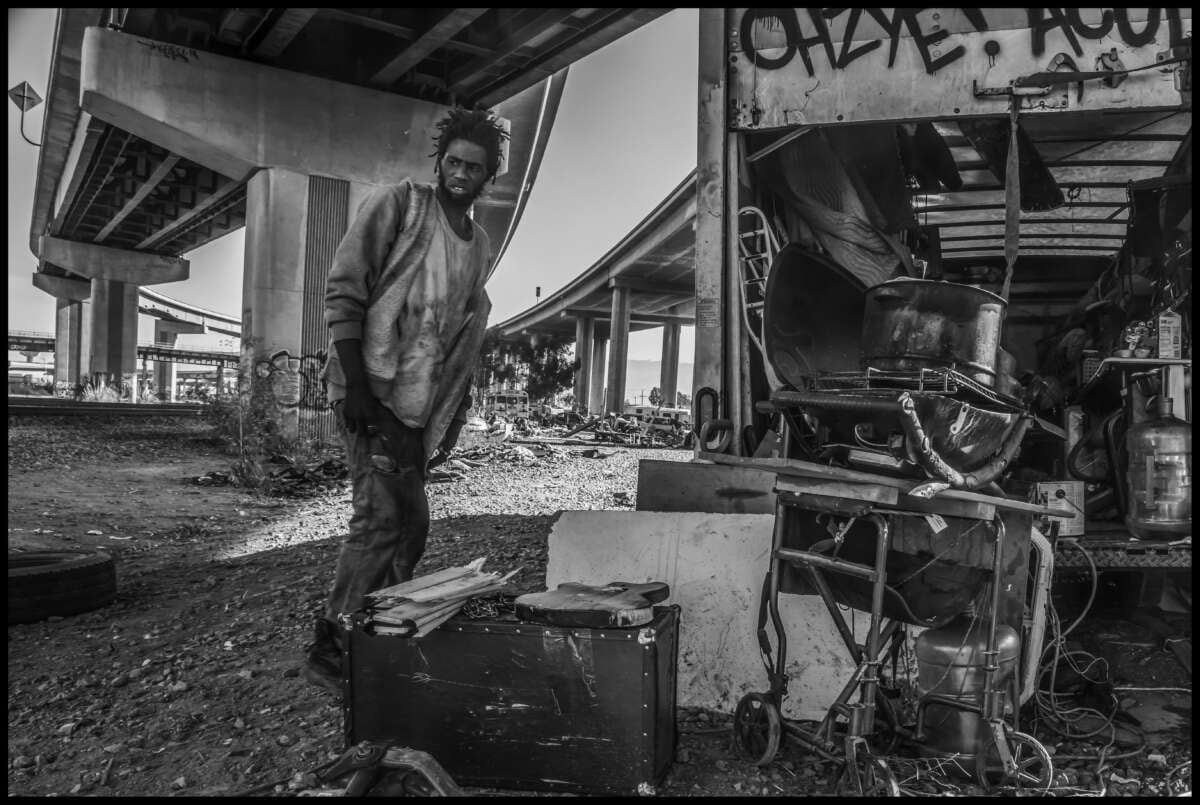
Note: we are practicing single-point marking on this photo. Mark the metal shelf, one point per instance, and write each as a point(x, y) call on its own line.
point(1120, 551)
point(1128, 363)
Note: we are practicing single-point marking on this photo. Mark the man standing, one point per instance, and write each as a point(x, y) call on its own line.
point(406, 311)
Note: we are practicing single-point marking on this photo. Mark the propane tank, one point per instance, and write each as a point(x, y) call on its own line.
point(1160, 475)
point(950, 662)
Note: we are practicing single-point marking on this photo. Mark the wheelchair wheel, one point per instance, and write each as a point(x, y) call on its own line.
point(1035, 769)
point(866, 776)
point(757, 728)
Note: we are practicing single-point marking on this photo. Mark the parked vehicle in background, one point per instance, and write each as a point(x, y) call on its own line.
point(506, 404)
point(661, 418)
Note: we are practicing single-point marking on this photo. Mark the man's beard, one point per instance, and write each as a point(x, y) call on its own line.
point(465, 201)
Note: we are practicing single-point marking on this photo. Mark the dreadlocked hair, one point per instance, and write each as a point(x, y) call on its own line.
point(478, 126)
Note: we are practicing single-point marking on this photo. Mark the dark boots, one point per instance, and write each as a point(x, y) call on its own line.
point(323, 663)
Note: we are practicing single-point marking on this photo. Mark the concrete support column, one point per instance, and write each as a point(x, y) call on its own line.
point(669, 373)
point(585, 332)
point(273, 289)
point(114, 334)
point(165, 334)
point(595, 401)
point(619, 354)
point(72, 341)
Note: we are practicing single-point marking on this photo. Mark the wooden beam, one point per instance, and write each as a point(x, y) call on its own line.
point(162, 235)
point(402, 31)
point(283, 31)
point(437, 36)
point(607, 26)
point(518, 39)
point(153, 181)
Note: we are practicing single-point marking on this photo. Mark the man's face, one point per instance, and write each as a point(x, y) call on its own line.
point(463, 170)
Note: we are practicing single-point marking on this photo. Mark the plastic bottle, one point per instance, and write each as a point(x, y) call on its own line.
point(1160, 475)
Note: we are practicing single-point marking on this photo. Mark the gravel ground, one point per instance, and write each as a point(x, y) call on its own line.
point(188, 683)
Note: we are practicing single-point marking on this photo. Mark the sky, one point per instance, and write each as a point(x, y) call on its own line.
point(624, 137)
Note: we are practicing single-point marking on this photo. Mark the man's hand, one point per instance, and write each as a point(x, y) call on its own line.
point(361, 409)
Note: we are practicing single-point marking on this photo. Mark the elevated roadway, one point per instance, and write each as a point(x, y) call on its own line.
point(26, 341)
point(167, 128)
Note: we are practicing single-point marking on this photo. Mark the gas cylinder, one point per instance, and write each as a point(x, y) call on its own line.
point(950, 663)
point(1160, 475)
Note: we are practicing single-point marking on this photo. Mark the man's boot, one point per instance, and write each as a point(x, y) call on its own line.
point(323, 661)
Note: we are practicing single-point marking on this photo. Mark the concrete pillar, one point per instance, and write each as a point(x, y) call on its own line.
point(619, 354)
point(273, 289)
point(72, 325)
point(293, 226)
point(113, 329)
point(165, 334)
point(585, 332)
point(669, 373)
point(595, 401)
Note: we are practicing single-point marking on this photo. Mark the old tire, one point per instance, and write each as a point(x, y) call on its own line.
point(45, 583)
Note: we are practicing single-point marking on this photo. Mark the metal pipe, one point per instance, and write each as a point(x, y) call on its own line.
point(836, 402)
point(837, 565)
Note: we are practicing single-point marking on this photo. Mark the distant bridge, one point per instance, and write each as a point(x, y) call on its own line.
point(26, 341)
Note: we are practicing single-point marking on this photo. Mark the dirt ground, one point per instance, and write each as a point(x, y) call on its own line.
point(188, 683)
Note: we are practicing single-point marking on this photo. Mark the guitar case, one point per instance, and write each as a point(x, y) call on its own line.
point(618, 604)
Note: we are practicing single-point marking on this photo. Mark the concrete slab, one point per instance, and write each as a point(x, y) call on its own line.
point(714, 564)
point(106, 263)
point(71, 290)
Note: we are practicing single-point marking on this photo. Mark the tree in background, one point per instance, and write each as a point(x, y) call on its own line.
point(684, 401)
point(544, 363)
point(656, 397)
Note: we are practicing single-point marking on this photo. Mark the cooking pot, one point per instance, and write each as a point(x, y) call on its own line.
point(913, 324)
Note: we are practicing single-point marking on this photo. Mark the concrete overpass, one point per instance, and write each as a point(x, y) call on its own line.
point(646, 280)
point(168, 128)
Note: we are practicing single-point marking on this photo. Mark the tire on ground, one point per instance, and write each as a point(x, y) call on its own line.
point(45, 583)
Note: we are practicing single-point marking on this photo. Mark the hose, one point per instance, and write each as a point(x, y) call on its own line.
point(936, 466)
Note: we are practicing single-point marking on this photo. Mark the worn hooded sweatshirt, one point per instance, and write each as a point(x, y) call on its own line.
point(413, 291)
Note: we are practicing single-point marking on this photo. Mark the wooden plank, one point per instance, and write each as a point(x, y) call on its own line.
point(420, 583)
point(873, 493)
point(796, 467)
point(676, 486)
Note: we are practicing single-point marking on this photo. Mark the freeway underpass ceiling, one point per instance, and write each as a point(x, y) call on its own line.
point(130, 193)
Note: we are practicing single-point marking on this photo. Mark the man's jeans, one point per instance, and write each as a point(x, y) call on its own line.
point(390, 522)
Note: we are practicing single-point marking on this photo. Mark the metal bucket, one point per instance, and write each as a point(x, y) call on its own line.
point(913, 324)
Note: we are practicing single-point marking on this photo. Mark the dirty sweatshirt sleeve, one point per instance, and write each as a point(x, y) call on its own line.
point(360, 258)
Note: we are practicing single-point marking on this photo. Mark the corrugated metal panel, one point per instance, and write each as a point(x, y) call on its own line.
point(328, 206)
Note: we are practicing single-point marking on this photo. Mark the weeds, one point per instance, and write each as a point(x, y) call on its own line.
point(248, 424)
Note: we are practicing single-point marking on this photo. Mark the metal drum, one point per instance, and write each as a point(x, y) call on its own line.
point(912, 324)
point(950, 662)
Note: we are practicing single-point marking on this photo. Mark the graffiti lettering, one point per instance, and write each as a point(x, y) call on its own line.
point(294, 382)
point(770, 20)
point(1068, 21)
point(172, 52)
point(780, 33)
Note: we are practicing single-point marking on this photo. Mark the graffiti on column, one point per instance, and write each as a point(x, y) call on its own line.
point(295, 383)
point(172, 52)
point(807, 32)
